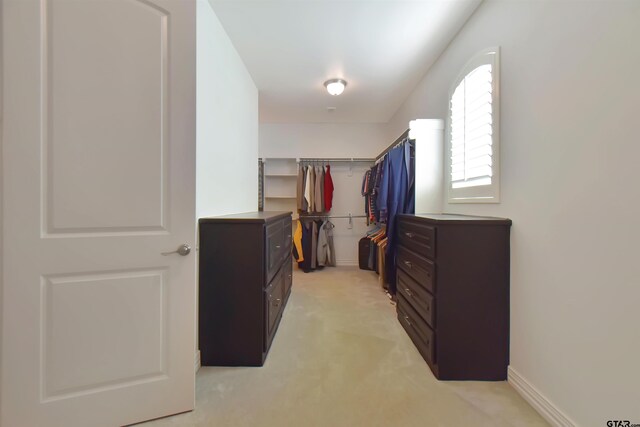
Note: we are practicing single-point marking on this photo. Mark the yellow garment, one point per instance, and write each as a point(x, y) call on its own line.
point(297, 241)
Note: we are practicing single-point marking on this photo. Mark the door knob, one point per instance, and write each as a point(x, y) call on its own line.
point(183, 250)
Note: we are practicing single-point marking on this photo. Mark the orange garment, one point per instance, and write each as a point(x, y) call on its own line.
point(297, 242)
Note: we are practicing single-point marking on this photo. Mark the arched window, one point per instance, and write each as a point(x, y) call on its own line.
point(472, 132)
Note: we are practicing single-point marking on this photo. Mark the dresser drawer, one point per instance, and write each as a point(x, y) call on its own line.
point(418, 268)
point(288, 275)
point(418, 237)
point(273, 302)
point(421, 334)
point(421, 300)
point(274, 248)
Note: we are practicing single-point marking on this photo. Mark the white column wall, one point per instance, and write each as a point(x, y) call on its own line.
point(227, 123)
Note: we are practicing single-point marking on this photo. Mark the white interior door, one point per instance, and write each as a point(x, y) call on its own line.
point(98, 328)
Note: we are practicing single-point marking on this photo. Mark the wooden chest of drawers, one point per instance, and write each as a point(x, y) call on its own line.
point(245, 273)
point(453, 293)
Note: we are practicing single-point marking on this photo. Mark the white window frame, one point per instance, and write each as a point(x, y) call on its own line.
point(482, 193)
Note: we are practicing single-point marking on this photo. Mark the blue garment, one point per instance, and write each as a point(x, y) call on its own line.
point(307, 232)
point(398, 189)
point(383, 192)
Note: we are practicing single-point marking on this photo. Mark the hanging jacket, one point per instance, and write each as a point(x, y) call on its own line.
point(300, 188)
point(383, 194)
point(312, 188)
point(396, 203)
point(318, 195)
point(321, 195)
point(328, 189)
point(324, 252)
point(305, 264)
point(307, 190)
point(328, 229)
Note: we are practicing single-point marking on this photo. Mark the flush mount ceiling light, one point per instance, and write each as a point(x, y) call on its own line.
point(335, 86)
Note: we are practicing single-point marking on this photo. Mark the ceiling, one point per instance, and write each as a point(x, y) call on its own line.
point(381, 48)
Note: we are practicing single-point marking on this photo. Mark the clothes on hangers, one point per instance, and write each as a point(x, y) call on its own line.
point(388, 188)
point(314, 189)
point(369, 248)
point(326, 255)
point(316, 249)
point(365, 191)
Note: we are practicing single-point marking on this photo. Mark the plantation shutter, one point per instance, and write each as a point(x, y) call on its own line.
point(471, 130)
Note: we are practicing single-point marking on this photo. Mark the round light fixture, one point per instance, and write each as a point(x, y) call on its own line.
point(335, 86)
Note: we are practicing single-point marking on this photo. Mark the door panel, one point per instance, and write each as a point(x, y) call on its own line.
point(89, 342)
point(109, 108)
point(99, 178)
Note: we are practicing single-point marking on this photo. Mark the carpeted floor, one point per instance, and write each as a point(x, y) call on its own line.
point(340, 358)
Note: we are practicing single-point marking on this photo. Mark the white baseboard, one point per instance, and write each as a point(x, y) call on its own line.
point(540, 403)
point(197, 364)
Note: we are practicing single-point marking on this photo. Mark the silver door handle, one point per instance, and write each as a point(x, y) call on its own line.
point(183, 250)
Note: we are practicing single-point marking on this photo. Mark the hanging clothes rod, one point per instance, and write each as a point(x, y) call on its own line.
point(401, 138)
point(336, 160)
point(320, 216)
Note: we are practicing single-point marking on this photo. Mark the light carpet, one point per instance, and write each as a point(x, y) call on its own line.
point(341, 358)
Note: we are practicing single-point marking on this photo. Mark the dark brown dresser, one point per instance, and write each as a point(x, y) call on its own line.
point(245, 280)
point(453, 293)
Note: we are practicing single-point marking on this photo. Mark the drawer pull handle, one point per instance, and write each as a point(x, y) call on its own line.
point(408, 264)
point(409, 235)
point(277, 246)
point(408, 291)
point(406, 319)
point(277, 302)
point(289, 236)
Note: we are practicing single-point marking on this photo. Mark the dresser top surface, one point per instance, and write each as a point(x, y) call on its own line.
point(258, 217)
point(444, 218)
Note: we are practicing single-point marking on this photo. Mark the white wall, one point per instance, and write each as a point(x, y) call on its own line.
point(347, 199)
point(330, 140)
point(227, 123)
point(323, 139)
point(569, 150)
